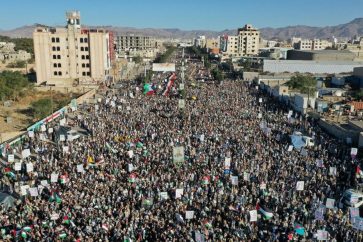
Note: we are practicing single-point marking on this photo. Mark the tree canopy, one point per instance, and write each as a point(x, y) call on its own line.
point(41, 108)
point(20, 43)
point(303, 83)
point(12, 84)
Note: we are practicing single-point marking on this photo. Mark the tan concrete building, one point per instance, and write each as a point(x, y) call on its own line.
point(248, 41)
point(312, 44)
point(63, 55)
point(134, 42)
point(212, 43)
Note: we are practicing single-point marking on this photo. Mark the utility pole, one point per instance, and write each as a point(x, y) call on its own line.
point(182, 74)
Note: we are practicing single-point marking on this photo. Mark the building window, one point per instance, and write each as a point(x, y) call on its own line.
point(86, 48)
point(83, 73)
point(59, 65)
point(87, 65)
point(58, 57)
point(82, 57)
point(82, 49)
point(88, 73)
point(55, 73)
point(81, 40)
point(87, 57)
point(55, 65)
point(59, 73)
point(57, 40)
point(53, 48)
point(85, 40)
point(83, 65)
point(53, 40)
point(58, 48)
point(54, 57)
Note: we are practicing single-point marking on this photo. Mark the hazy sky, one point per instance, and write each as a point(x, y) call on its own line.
point(182, 14)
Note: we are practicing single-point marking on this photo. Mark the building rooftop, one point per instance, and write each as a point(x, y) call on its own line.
point(332, 52)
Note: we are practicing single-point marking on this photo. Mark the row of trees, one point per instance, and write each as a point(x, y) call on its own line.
point(46, 106)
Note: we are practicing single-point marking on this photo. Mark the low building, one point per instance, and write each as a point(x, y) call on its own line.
point(9, 55)
point(321, 55)
point(310, 66)
point(311, 44)
point(200, 41)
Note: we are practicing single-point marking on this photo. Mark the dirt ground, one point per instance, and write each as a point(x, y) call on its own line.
point(20, 113)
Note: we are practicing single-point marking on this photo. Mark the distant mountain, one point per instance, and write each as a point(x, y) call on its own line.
point(347, 30)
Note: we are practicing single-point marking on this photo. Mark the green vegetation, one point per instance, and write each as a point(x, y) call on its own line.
point(137, 59)
point(20, 43)
point(358, 95)
point(17, 64)
point(305, 84)
point(166, 55)
point(13, 85)
point(41, 108)
point(217, 74)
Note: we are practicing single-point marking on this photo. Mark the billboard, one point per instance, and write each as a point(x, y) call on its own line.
point(163, 67)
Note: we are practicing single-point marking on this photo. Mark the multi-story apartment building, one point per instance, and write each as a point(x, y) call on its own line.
point(134, 42)
point(248, 41)
point(315, 44)
point(63, 55)
point(228, 46)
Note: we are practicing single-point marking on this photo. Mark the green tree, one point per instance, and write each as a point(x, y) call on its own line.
point(12, 84)
point(303, 83)
point(41, 108)
point(17, 64)
point(217, 74)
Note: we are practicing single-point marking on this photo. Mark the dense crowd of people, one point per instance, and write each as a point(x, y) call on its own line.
point(120, 182)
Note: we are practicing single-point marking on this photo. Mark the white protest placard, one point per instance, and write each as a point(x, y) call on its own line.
point(62, 121)
point(300, 185)
point(181, 86)
point(24, 190)
point(332, 171)
point(62, 137)
point(181, 103)
point(11, 158)
point(54, 177)
point(353, 151)
point(33, 191)
point(253, 215)
point(259, 115)
point(178, 154)
point(17, 166)
point(50, 130)
point(246, 176)
point(227, 163)
point(54, 216)
point(260, 100)
point(130, 167)
point(130, 153)
point(330, 203)
point(322, 235)
point(43, 128)
point(164, 195)
point(65, 149)
point(44, 183)
point(234, 180)
point(80, 168)
point(31, 134)
point(256, 87)
point(179, 192)
point(29, 167)
point(319, 214)
point(201, 138)
point(96, 107)
point(290, 148)
point(25, 153)
point(128, 108)
point(189, 214)
point(113, 104)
